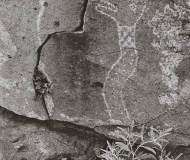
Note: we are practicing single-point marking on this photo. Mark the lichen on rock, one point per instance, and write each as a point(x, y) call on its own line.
point(170, 41)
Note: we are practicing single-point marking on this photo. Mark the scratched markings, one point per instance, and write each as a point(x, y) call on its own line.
point(126, 63)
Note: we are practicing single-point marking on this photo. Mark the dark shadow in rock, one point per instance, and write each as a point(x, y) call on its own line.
point(58, 139)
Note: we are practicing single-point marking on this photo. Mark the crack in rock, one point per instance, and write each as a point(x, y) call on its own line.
point(53, 124)
point(41, 81)
point(161, 114)
point(47, 132)
point(81, 26)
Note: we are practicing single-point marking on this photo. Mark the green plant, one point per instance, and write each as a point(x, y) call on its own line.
point(138, 145)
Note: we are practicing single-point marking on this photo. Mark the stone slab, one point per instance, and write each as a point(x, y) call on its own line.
point(59, 15)
point(76, 64)
point(130, 61)
point(18, 58)
point(23, 26)
point(25, 138)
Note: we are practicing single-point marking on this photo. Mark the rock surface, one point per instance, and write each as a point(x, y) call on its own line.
point(94, 85)
point(23, 26)
point(29, 139)
point(97, 64)
point(85, 71)
point(159, 89)
point(59, 15)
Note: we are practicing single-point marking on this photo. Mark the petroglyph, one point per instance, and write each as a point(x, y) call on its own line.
point(126, 18)
point(170, 40)
point(7, 51)
point(41, 12)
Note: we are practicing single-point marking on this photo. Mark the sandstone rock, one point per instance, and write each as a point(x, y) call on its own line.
point(121, 69)
point(59, 15)
point(159, 89)
point(23, 25)
point(112, 62)
point(77, 64)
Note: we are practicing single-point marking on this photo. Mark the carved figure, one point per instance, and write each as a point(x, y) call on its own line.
point(126, 15)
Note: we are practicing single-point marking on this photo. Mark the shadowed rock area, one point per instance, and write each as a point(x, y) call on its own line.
point(24, 138)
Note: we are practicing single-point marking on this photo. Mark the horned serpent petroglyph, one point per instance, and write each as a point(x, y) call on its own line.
point(126, 63)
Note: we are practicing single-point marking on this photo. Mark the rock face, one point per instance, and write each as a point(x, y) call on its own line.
point(29, 139)
point(87, 78)
point(139, 74)
point(18, 59)
point(23, 26)
point(97, 64)
point(59, 15)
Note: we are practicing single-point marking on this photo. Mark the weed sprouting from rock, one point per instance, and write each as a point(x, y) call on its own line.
point(147, 143)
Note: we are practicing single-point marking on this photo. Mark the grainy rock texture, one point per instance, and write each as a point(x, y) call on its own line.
point(59, 15)
point(97, 64)
point(19, 42)
point(93, 84)
point(29, 139)
point(23, 26)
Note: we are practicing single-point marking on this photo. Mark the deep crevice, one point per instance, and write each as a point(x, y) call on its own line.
point(40, 48)
point(40, 81)
point(52, 125)
point(81, 26)
point(42, 84)
point(44, 103)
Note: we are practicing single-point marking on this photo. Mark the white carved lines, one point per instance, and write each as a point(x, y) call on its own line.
point(107, 5)
point(126, 36)
point(7, 50)
point(167, 27)
point(41, 13)
point(125, 65)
